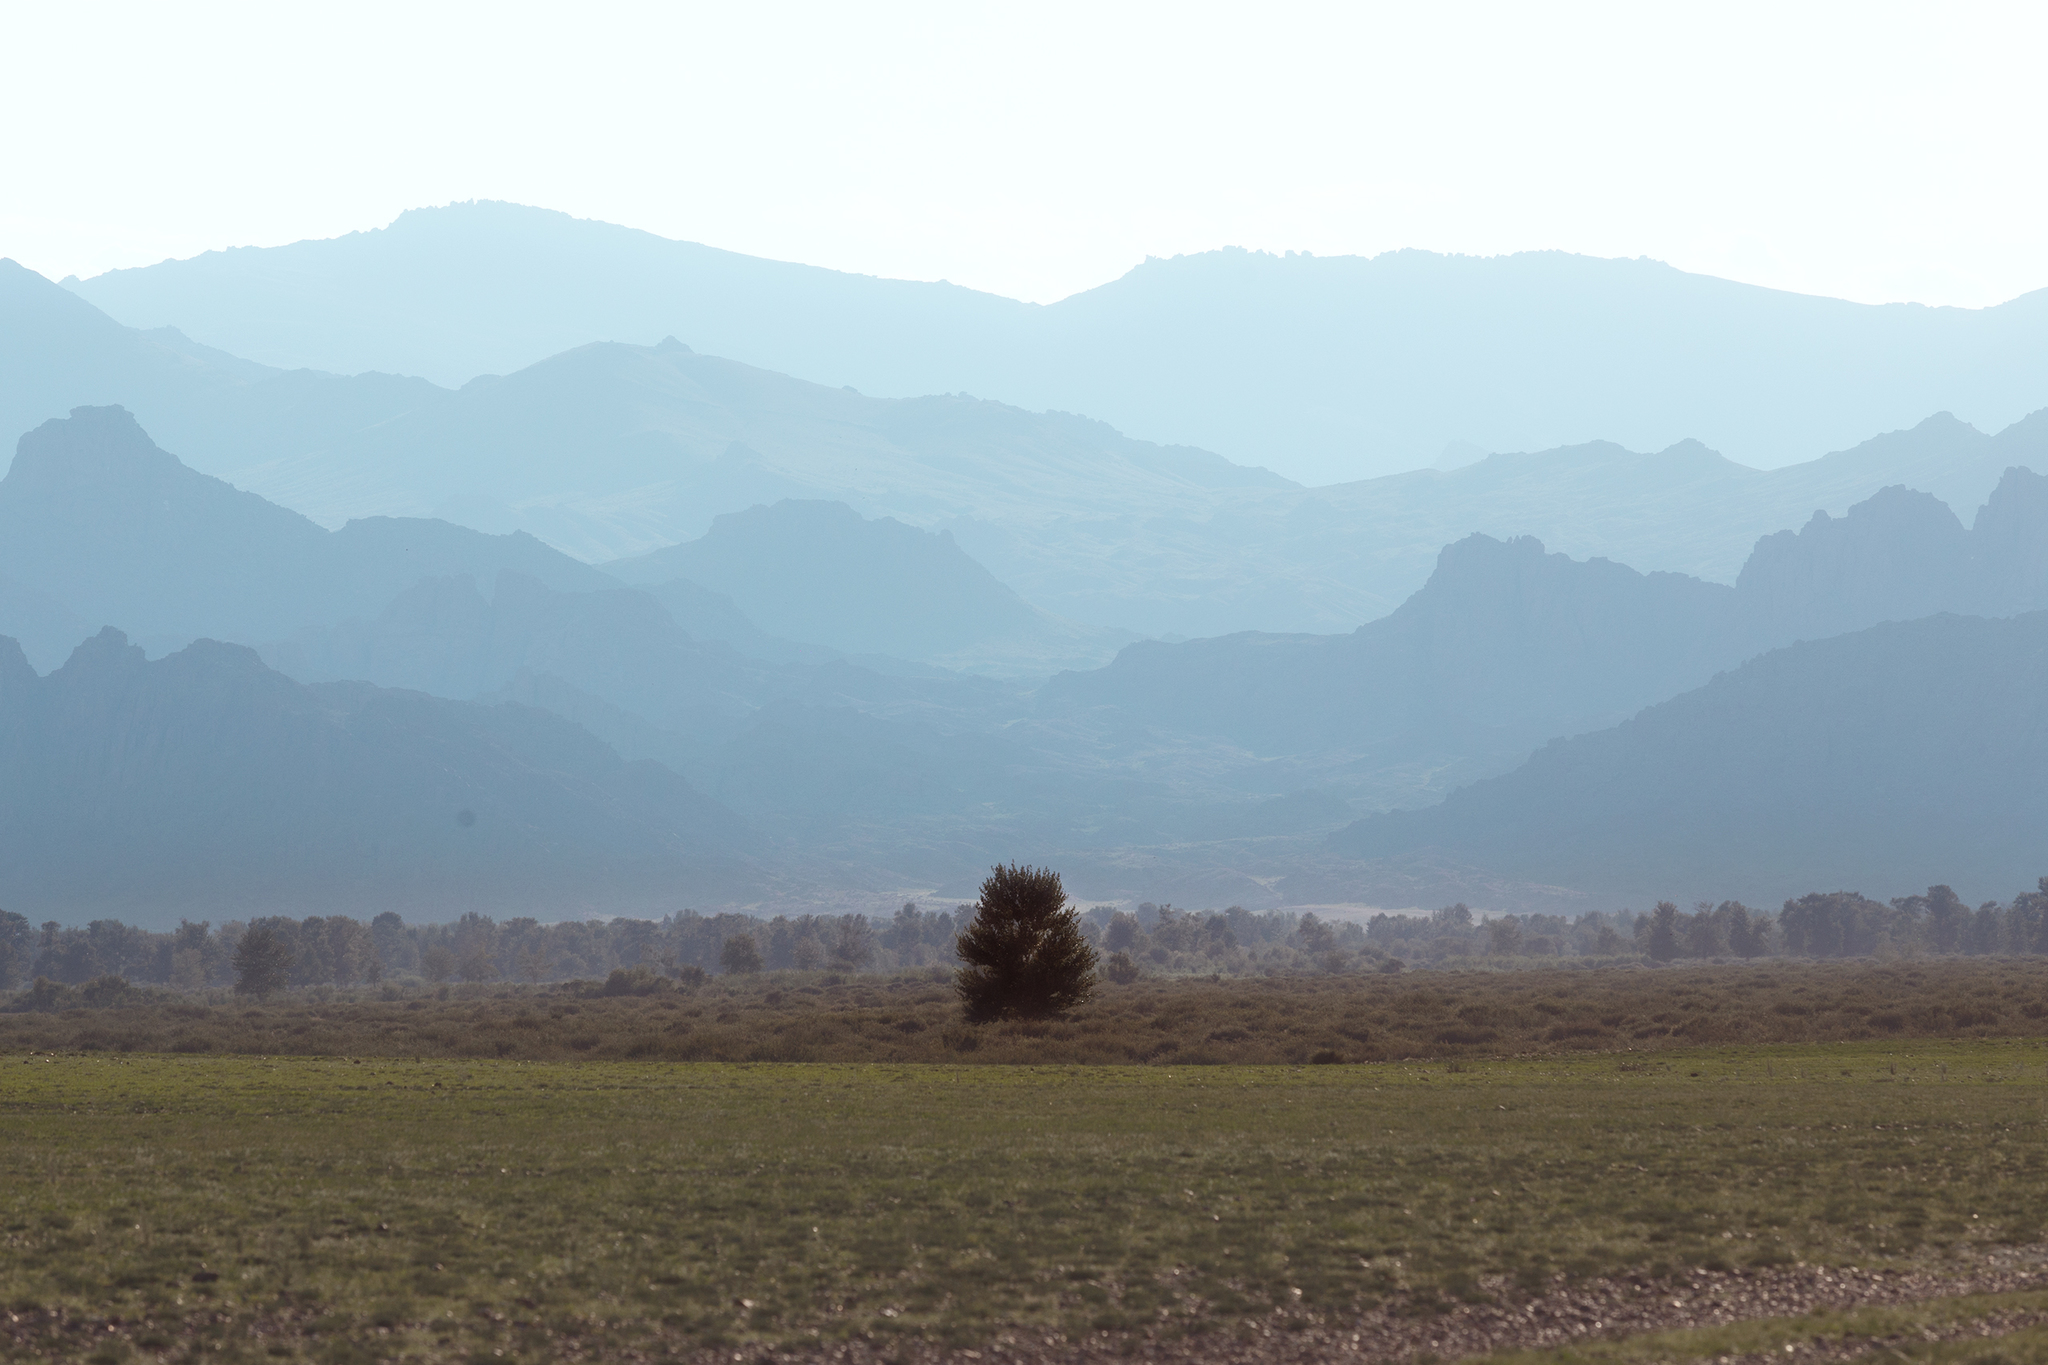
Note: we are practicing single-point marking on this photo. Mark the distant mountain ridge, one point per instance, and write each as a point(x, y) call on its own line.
point(206, 785)
point(620, 449)
point(1328, 368)
point(1507, 646)
point(1884, 761)
point(95, 517)
point(1211, 768)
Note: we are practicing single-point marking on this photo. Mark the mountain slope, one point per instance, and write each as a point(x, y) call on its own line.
point(641, 444)
point(1892, 759)
point(819, 572)
point(1328, 368)
point(58, 352)
point(1504, 647)
point(443, 636)
point(205, 784)
point(1684, 509)
point(95, 517)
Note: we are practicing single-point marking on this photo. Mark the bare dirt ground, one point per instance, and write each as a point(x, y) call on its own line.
point(1608, 1309)
point(1592, 1310)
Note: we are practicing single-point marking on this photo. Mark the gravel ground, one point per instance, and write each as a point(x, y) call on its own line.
point(1597, 1309)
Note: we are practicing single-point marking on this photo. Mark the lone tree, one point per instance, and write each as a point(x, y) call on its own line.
point(262, 962)
point(1026, 956)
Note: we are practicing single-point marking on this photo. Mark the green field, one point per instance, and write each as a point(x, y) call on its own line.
point(384, 1209)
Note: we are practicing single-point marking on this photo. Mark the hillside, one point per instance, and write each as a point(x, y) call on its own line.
point(1885, 761)
point(106, 528)
point(626, 447)
point(443, 636)
point(1504, 647)
point(1326, 368)
point(819, 572)
point(206, 785)
point(58, 352)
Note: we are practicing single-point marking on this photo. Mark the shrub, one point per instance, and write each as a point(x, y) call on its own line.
point(632, 981)
point(106, 992)
point(43, 997)
point(1120, 969)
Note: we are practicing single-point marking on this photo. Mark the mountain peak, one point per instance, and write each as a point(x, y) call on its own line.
point(105, 653)
point(93, 446)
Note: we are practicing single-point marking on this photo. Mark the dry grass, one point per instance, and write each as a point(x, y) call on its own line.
point(914, 1017)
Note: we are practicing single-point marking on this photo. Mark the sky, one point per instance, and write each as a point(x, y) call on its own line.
point(1872, 152)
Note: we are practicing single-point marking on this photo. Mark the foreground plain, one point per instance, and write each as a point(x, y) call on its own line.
point(370, 1209)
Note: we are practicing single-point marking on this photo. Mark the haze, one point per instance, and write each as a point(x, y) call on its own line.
point(1868, 152)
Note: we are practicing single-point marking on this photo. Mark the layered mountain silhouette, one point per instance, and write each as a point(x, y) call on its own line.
point(615, 450)
point(910, 780)
point(1884, 761)
point(1328, 368)
point(207, 785)
point(58, 352)
point(1504, 647)
point(103, 525)
point(1508, 646)
point(627, 627)
point(98, 524)
point(656, 435)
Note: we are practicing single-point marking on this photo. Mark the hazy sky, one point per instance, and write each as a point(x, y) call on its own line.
point(1869, 151)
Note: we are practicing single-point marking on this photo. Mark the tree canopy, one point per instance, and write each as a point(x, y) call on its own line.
point(1025, 952)
point(262, 962)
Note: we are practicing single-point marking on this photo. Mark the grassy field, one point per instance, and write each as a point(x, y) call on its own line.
point(368, 1209)
point(914, 1017)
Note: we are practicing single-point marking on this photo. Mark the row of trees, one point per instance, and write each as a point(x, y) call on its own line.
point(1830, 924)
point(340, 950)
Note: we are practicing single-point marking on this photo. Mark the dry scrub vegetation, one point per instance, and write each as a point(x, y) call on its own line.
point(914, 1017)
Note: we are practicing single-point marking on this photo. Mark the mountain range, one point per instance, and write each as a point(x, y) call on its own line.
point(1507, 646)
point(102, 526)
point(1905, 755)
point(1326, 368)
point(633, 626)
point(207, 785)
point(616, 450)
point(1212, 766)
